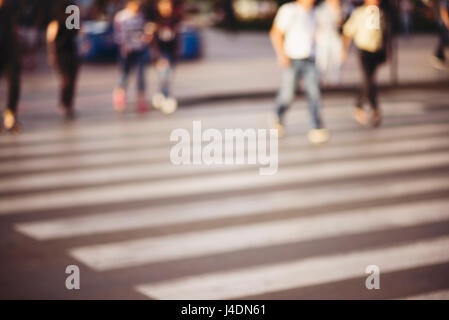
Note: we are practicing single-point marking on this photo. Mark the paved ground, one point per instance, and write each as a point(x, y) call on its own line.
point(102, 194)
point(233, 65)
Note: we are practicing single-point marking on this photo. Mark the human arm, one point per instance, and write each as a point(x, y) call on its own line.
point(444, 15)
point(349, 31)
point(52, 33)
point(277, 40)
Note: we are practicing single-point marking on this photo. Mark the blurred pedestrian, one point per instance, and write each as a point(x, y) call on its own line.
point(63, 54)
point(293, 38)
point(167, 23)
point(10, 63)
point(347, 7)
point(367, 27)
point(133, 36)
point(406, 9)
point(329, 40)
point(29, 21)
point(439, 59)
point(229, 18)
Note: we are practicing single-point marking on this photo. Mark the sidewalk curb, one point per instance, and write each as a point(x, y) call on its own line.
point(254, 95)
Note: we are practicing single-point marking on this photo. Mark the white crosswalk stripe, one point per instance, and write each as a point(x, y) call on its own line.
point(131, 253)
point(113, 138)
point(229, 182)
point(265, 279)
point(153, 171)
point(436, 295)
point(142, 154)
point(223, 208)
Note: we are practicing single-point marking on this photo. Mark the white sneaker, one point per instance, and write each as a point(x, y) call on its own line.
point(360, 116)
point(10, 122)
point(439, 64)
point(318, 136)
point(277, 125)
point(169, 106)
point(158, 100)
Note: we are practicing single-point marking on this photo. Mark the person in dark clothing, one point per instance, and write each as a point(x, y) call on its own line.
point(63, 54)
point(368, 29)
point(29, 21)
point(10, 61)
point(168, 18)
point(230, 19)
point(439, 59)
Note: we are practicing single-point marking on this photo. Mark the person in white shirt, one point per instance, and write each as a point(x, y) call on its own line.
point(293, 38)
point(329, 40)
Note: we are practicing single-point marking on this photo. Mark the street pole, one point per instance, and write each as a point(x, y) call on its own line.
point(394, 65)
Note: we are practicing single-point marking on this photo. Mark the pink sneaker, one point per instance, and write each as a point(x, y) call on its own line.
point(142, 106)
point(119, 100)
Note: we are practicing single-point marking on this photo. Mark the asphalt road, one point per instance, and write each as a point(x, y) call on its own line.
point(102, 194)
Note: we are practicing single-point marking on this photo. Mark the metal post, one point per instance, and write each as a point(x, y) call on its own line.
point(394, 65)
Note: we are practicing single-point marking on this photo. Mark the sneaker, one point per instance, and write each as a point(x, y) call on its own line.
point(360, 116)
point(277, 125)
point(318, 136)
point(9, 120)
point(119, 98)
point(169, 106)
point(158, 100)
point(439, 64)
point(376, 118)
point(142, 106)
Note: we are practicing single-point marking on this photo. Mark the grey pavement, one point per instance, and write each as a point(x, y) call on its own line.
point(102, 194)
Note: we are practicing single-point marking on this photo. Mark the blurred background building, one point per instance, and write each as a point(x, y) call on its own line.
point(234, 15)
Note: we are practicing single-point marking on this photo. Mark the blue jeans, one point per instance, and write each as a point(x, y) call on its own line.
point(128, 62)
point(307, 70)
point(165, 74)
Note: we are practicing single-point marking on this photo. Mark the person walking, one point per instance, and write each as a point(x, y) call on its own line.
point(133, 36)
point(367, 27)
point(63, 54)
point(439, 58)
point(29, 22)
point(10, 61)
point(406, 8)
point(167, 23)
point(293, 39)
point(329, 40)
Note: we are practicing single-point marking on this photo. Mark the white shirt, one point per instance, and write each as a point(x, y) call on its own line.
point(299, 26)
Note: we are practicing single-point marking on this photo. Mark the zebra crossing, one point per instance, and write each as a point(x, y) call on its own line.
point(253, 281)
point(108, 194)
